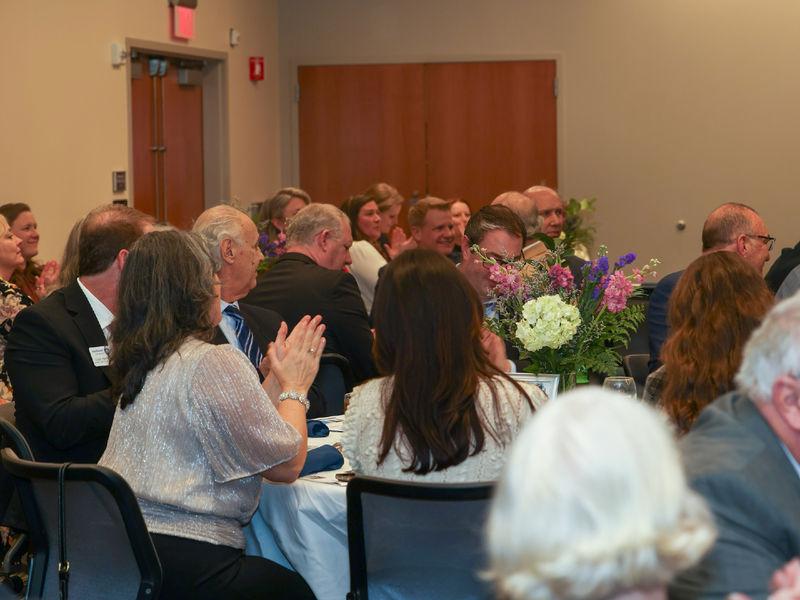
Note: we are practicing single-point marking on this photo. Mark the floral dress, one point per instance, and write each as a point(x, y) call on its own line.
point(12, 300)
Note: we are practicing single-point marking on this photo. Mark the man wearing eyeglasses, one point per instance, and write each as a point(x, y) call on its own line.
point(732, 227)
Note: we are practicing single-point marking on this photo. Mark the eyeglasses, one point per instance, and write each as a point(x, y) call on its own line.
point(768, 240)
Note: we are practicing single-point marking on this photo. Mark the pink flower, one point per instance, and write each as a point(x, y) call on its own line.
point(561, 278)
point(617, 292)
point(507, 280)
point(638, 277)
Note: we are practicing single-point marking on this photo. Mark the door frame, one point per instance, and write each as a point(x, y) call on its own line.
point(216, 146)
point(290, 95)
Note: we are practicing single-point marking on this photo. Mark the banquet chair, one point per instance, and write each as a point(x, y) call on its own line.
point(414, 540)
point(12, 566)
point(335, 379)
point(635, 365)
point(109, 552)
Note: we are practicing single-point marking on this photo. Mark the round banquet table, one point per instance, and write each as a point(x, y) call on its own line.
point(303, 526)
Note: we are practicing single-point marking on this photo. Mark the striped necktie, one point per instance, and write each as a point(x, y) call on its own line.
point(244, 334)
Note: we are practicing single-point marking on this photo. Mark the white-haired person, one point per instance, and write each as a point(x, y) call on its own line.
point(594, 503)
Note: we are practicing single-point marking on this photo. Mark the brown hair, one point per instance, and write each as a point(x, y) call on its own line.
point(428, 337)
point(105, 231)
point(25, 277)
point(718, 301)
point(489, 218)
point(351, 207)
point(385, 196)
point(417, 213)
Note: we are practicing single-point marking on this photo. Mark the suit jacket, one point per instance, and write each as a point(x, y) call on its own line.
point(735, 461)
point(783, 265)
point(63, 402)
point(296, 286)
point(657, 327)
point(262, 322)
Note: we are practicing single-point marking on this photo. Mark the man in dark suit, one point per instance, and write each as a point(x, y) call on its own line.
point(233, 238)
point(742, 457)
point(57, 354)
point(309, 280)
point(731, 227)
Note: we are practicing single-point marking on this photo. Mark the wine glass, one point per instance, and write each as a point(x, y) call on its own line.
point(622, 385)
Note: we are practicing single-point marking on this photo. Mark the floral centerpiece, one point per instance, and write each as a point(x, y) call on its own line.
point(559, 327)
point(271, 249)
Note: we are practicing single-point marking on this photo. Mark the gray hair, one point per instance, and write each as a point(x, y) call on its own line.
point(773, 350)
point(312, 219)
point(594, 501)
point(218, 223)
point(524, 206)
point(274, 207)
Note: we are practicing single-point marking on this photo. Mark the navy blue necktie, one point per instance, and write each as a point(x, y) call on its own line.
point(244, 334)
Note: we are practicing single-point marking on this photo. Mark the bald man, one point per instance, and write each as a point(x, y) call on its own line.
point(550, 208)
point(732, 227)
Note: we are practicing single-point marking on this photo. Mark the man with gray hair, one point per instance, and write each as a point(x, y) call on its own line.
point(731, 227)
point(742, 455)
point(233, 239)
point(310, 280)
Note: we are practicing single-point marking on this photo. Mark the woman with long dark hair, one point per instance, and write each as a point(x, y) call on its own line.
point(194, 431)
point(442, 411)
point(365, 222)
point(718, 302)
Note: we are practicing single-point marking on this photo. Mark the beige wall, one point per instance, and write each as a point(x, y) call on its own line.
point(64, 108)
point(667, 107)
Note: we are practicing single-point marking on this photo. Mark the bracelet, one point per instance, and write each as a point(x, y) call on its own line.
point(292, 395)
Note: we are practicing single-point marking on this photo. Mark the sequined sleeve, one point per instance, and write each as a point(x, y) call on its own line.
point(238, 427)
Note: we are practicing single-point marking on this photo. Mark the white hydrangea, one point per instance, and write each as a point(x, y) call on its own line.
point(547, 322)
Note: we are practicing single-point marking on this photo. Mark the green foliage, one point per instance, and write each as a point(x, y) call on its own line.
point(576, 231)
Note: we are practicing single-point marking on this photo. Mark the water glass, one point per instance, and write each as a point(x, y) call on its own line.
point(622, 385)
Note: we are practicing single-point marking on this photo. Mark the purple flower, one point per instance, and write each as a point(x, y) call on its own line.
point(598, 270)
point(625, 259)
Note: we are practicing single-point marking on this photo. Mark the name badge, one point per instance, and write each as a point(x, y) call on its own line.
point(99, 355)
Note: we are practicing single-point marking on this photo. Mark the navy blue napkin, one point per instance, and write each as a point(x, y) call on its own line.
point(324, 458)
point(317, 429)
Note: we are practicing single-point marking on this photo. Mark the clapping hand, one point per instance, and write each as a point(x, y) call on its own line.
point(48, 278)
point(293, 361)
point(398, 243)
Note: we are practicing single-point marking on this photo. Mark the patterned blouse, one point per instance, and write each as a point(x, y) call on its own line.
point(12, 300)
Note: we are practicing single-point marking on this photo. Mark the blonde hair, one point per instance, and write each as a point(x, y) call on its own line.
point(594, 501)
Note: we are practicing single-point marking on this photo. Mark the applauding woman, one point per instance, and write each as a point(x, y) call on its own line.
point(194, 431)
point(34, 279)
point(442, 412)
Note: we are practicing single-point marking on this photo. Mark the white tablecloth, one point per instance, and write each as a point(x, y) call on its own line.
point(303, 526)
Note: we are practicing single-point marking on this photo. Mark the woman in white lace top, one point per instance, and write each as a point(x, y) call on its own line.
point(195, 431)
point(443, 412)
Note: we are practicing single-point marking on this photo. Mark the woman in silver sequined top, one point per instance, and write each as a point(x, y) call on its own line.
point(195, 431)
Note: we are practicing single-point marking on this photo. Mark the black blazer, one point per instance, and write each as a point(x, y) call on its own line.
point(63, 402)
point(296, 286)
point(264, 324)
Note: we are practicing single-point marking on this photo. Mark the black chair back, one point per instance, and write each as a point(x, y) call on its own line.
point(11, 437)
point(108, 547)
point(335, 379)
point(412, 540)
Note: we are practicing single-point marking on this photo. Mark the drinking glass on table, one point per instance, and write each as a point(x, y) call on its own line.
point(622, 385)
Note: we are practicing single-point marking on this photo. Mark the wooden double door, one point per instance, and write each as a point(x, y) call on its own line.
point(469, 130)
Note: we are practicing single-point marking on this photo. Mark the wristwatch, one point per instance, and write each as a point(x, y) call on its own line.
point(291, 395)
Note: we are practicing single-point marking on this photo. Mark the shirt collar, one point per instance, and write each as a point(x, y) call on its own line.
point(792, 459)
point(104, 316)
